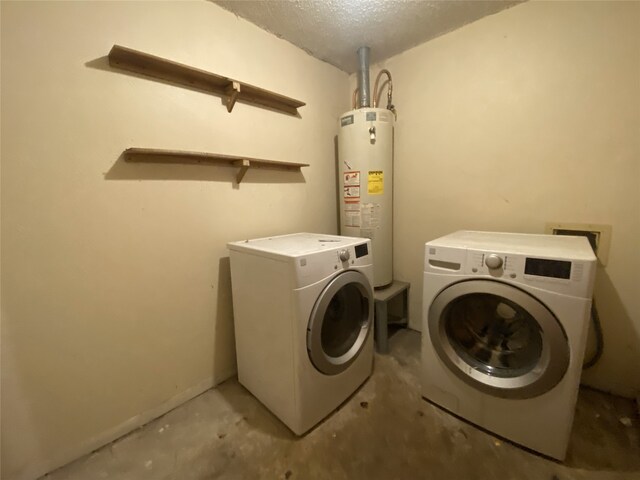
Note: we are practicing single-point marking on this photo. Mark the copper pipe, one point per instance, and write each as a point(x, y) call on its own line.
point(354, 98)
point(376, 93)
point(376, 99)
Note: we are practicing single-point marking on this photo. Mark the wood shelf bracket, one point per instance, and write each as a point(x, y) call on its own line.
point(244, 166)
point(233, 90)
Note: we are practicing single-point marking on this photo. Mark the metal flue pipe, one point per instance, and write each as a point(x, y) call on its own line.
point(364, 96)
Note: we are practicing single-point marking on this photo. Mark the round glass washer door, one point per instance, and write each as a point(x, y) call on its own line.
point(340, 322)
point(498, 338)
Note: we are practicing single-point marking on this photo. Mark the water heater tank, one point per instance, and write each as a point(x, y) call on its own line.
point(365, 155)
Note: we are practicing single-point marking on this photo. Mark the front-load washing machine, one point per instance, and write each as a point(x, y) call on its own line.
point(303, 315)
point(504, 327)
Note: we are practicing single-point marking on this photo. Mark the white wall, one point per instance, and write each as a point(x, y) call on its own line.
point(115, 283)
point(528, 116)
point(115, 288)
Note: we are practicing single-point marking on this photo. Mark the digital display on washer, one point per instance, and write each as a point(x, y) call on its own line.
point(548, 268)
point(361, 250)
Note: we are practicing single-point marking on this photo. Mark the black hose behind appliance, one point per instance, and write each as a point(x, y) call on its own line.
point(597, 330)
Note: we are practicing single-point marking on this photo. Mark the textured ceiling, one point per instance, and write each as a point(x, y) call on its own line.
point(333, 30)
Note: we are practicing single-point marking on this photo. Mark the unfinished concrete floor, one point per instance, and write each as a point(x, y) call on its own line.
point(384, 431)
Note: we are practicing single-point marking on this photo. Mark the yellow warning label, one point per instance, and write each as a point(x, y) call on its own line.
point(375, 184)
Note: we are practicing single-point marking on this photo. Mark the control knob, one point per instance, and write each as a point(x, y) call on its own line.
point(493, 261)
point(344, 255)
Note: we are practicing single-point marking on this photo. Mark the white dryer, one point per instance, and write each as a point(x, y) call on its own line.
point(504, 326)
point(303, 314)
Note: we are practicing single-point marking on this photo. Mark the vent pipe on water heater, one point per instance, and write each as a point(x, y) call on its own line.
point(363, 77)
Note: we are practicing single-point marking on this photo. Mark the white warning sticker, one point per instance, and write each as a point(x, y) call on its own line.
point(352, 179)
point(370, 214)
point(351, 192)
point(352, 217)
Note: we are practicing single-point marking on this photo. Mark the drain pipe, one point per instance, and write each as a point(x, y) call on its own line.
point(363, 77)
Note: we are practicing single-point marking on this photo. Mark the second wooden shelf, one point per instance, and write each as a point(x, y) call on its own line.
point(153, 155)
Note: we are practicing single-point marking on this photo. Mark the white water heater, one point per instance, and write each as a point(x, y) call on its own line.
point(365, 156)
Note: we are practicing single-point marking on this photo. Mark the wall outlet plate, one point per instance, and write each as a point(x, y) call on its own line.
point(599, 236)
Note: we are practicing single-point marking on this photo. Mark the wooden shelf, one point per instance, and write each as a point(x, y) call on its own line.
point(152, 155)
point(158, 67)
